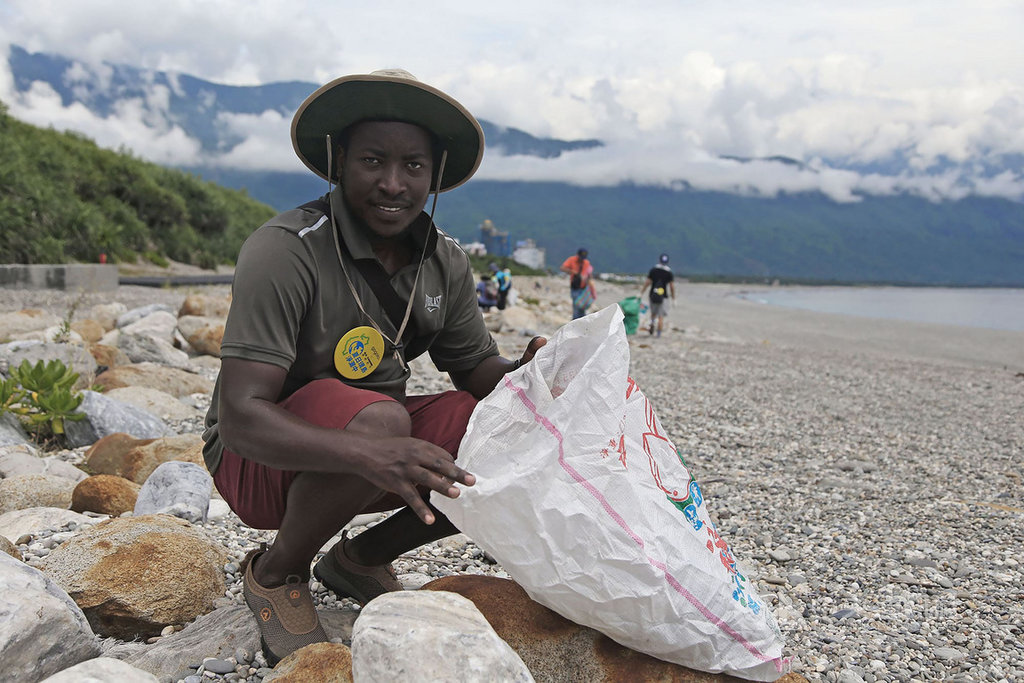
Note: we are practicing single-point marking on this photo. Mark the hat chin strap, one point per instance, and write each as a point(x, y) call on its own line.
point(396, 343)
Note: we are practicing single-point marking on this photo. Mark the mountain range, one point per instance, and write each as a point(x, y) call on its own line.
point(897, 238)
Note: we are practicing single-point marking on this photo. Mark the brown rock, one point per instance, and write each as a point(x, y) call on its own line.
point(132, 576)
point(171, 380)
point(556, 649)
point(7, 547)
point(24, 491)
point(109, 356)
point(135, 459)
point(89, 330)
point(327, 662)
point(202, 334)
point(105, 493)
point(204, 305)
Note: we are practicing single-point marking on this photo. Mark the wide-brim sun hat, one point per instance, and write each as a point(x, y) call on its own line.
point(387, 95)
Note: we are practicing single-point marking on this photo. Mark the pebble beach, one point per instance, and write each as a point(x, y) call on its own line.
point(867, 473)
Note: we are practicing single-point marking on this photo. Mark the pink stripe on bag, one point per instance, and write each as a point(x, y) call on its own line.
point(672, 581)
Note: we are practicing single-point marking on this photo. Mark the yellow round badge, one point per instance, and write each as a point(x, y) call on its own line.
point(359, 352)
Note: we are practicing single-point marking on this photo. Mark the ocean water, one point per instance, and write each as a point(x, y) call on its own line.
point(998, 309)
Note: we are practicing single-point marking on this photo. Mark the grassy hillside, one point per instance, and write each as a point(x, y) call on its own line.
point(62, 199)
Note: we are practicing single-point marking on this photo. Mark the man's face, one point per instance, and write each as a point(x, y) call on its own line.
point(385, 174)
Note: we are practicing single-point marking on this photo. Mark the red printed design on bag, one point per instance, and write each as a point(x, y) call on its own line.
point(654, 435)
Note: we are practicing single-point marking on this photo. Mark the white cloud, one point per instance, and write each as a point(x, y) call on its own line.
point(669, 86)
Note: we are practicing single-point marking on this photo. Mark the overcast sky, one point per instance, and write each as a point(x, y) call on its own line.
point(669, 85)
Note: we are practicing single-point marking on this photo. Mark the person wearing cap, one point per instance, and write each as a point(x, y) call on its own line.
point(581, 288)
point(310, 423)
point(659, 279)
point(503, 281)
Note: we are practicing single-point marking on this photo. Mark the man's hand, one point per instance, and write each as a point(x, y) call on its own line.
point(531, 349)
point(482, 379)
point(404, 465)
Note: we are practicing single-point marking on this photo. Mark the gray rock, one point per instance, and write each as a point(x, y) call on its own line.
point(42, 630)
point(438, 635)
point(146, 348)
point(153, 401)
point(35, 490)
point(23, 459)
point(176, 488)
point(14, 323)
point(16, 524)
point(11, 431)
point(218, 666)
point(136, 314)
point(949, 654)
point(75, 357)
point(106, 416)
point(780, 555)
point(218, 634)
point(102, 670)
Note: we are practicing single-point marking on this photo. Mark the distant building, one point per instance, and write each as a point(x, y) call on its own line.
point(475, 248)
point(529, 254)
point(495, 241)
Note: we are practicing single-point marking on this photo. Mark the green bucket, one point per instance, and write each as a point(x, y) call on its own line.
point(631, 313)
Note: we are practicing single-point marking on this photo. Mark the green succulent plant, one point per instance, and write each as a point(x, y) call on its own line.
point(42, 395)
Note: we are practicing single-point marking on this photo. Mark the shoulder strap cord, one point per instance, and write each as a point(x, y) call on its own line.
point(395, 345)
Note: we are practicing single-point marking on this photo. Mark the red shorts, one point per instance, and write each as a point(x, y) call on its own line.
point(257, 493)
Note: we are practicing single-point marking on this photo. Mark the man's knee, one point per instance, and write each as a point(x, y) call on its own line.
point(383, 418)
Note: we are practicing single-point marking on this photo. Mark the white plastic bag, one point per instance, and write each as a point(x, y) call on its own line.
point(584, 501)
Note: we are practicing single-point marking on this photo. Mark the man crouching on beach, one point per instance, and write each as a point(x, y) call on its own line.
point(310, 424)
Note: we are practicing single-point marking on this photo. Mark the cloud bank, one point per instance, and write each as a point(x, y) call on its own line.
point(880, 98)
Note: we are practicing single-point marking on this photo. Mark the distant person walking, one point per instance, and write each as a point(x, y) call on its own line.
point(659, 279)
point(581, 288)
point(503, 279)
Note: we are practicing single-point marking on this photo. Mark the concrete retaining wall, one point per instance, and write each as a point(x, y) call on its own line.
point(90, 277)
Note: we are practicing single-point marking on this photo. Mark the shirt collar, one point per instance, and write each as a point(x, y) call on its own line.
point(422, 231)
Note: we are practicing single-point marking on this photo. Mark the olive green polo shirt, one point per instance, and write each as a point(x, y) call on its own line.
point(291, 304)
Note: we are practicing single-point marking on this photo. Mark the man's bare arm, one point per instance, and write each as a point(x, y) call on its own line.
point(482, 379)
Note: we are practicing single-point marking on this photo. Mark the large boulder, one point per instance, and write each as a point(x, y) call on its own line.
point(181, 489)
point(172, 380)
point(431, 636)
point(133, 316)
point(519, 319)
point(89, 330)
point(107, 356)
point(135, 459)
point(102, 670)
point(14, 525)
point(73, 356)
point(107, 314)
point(322, 662)
point(35, 490)
point(153, 401)
point(219, 634)
point(42, 630)
point(11, 431)
point(202, 334)
point(147, 348)
point(23, 459)
point(132, 576)
point(554, 648)
point(205, 306)
point(106, 494)
point(15, 323)
point(105, 416)
point(8, 547)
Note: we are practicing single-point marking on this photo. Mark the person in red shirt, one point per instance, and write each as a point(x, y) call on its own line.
point(581, 287)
